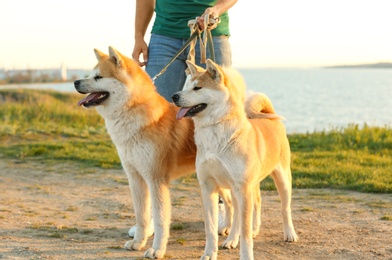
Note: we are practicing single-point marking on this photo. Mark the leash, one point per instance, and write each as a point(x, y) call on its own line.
point(209, 24)
point(189, 41)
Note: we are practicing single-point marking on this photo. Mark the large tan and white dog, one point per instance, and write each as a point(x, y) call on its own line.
point(235, 152)
point(153, 146)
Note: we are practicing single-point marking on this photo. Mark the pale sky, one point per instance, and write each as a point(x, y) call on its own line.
point(276, 33)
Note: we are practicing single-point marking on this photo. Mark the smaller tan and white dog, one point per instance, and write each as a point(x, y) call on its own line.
point(236, 149)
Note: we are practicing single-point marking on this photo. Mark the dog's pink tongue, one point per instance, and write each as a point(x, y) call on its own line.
point(182, 112)
point(88, 98)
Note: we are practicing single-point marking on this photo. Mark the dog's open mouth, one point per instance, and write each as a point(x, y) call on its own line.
point(94, 99)
point(190, 111)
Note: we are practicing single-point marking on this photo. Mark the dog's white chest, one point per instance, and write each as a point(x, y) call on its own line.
point(217, 157)
point(213, 168)
point(217, 165)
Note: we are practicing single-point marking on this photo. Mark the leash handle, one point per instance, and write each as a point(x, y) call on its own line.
point(209, 24)
point(212, 22)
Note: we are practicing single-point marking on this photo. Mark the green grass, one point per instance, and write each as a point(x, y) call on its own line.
point(355, 158)
point(50, 125)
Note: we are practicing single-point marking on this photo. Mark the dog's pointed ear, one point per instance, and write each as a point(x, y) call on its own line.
point(100, 55)
point(214, 71)
point(116, 56)
point(193, 68)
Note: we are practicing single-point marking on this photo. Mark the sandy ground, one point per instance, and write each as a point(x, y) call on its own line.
point(64, 211)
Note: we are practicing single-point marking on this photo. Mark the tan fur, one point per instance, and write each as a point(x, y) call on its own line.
point(236, 152)
point(153, 146)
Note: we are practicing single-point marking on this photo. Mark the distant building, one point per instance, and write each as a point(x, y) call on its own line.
point(41, 75)
point(63, 72)
point(2, 74)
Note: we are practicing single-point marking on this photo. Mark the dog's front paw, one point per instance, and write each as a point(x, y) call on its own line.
point(154, 254)
point(134, 245)
point(206, 256)
point(230, 243)
point(290, 236)
point(255, 233)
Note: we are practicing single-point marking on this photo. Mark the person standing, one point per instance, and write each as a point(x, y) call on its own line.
point(169, 33)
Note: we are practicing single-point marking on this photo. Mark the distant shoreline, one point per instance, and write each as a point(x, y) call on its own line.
point(380, 65)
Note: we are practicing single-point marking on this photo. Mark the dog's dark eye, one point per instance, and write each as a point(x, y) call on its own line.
point(97, 77)
point(196, 88)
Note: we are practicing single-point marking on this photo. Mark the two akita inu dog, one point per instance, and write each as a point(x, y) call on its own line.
point(235, 150)
point(153, 146)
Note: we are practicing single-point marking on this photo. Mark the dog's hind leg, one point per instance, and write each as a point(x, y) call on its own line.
point(142, 204)
point(161, 208)
point(233, 238)
point(282, 179)
point(256, 210)
point(225, 226)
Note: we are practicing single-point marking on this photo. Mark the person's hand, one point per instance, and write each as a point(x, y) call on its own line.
point(212, 13)
point(140, 48)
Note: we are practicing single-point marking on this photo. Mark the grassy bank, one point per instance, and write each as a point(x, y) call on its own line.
point(50, 126)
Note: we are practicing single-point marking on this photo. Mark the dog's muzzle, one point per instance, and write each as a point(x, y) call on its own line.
point(78, 86)
point(93, 99)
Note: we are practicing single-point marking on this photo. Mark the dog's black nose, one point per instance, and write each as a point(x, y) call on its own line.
point(77, 83)
point(78, 86)
point(175, 97)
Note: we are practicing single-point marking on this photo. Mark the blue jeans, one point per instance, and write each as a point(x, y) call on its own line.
point(162, 49)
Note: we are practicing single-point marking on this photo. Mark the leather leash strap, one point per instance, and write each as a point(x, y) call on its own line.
point(189, 41)
point(209, 24)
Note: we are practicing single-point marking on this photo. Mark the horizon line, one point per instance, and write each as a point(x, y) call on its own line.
point(379, 63)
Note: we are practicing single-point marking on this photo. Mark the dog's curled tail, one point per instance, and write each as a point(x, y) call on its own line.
point(258, 105)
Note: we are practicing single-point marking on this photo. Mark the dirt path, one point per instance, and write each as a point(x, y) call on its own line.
point(51, 211)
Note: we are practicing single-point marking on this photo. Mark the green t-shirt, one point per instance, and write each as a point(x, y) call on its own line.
point(172, 16)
